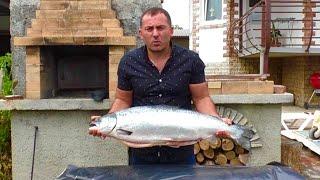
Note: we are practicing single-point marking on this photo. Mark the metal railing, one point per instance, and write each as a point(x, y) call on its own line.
point(276, 23)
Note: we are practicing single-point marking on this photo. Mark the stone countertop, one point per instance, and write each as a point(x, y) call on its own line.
point(253, 98)
point(89, 104)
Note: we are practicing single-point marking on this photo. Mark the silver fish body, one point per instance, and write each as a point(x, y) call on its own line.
point(161, 124)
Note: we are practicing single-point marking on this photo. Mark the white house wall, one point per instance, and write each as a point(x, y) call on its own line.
point(211, 45)
point(208, 41)
point(285, 24)
point(178, 10)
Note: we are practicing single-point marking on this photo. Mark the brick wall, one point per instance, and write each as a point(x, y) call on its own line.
point(236, 65)
point(312, 64)
point(275, 70)
point(293, 77)
point(217, 68)
point(194, 38)
point(294, 73)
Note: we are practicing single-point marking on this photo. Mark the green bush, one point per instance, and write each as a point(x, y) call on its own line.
point(5, 120)
point(5, 66)
point(5, 145)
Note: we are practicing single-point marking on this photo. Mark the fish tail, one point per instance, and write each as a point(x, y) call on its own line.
point(242, 136)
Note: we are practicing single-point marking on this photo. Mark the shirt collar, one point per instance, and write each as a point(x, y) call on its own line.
point(173, 51)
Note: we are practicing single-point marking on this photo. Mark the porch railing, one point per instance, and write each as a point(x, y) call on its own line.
point(276, 23)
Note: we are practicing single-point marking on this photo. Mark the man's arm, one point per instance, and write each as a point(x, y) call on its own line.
point(201, 99)
point(123, 100)
point(204, 104)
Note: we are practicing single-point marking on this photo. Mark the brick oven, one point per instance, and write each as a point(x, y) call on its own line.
point(63, 50)
point(72, 48)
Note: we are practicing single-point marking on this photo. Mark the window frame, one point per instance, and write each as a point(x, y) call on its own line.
point(204, 14)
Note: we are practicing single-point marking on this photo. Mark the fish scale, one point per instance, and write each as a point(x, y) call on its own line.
point(158, 125)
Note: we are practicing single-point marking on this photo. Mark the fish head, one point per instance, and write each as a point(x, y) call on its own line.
point(105, 123)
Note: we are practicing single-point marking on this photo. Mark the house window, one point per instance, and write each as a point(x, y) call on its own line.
point(213, 9)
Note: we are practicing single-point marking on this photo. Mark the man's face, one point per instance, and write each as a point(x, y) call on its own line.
point(156, 32)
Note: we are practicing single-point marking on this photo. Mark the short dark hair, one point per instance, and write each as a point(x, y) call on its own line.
point(154, 11)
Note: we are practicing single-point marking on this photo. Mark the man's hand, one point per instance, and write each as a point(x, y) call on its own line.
point(94, 131)
point(224, 133)
point(227, 121)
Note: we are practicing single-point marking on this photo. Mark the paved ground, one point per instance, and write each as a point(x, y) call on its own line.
point(310, 161)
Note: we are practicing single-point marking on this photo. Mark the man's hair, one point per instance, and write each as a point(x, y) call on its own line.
point(154, 11)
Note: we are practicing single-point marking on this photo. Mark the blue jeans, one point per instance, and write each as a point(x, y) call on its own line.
point(162, 155)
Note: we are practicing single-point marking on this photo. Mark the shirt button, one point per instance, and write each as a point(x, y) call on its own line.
point(160, 95)
point(160, 80)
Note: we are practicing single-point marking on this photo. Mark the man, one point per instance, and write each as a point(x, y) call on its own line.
point(160, 73)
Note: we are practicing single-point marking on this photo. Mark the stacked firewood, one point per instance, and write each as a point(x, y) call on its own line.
point(221, 151)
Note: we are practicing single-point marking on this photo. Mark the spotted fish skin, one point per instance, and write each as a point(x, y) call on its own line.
point(161, 124)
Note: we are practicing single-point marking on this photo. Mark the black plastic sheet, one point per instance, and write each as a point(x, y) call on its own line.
point(170, 172)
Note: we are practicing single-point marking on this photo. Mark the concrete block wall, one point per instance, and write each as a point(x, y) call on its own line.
point(62, 140)
point(62, 137)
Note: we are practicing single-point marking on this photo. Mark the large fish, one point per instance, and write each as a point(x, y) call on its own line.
point(160, 125)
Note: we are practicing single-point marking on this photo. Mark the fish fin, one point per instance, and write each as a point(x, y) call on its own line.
point(243, 138)
point(123, 132)
point(180, 143)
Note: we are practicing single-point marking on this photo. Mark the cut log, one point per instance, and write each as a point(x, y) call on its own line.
point(196, 148)
point(209, 162)
point(215, 144)
point(244, 158)
point(199, 158)
point(204, 144)
point(221, 159)
point(291, 153)
point(209, 153)
point(235, 162)
point(239, 150)
point(227, 144)
point(230, 155)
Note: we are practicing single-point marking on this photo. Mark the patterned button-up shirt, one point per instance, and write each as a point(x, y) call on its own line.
point(170, 87)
